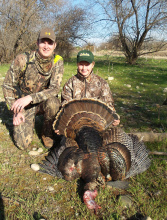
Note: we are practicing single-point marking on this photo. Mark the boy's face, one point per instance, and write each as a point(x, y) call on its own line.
point(85, 68)
point(46, 47)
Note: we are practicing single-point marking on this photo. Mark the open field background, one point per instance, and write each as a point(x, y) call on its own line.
point(115, 53)
point(138, 92)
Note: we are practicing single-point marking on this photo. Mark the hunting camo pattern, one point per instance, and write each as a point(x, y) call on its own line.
point(28, 79)
point(93, 86)
point(41, 79)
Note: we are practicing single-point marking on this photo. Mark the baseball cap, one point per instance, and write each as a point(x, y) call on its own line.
point(85, 55)
point(47, 33)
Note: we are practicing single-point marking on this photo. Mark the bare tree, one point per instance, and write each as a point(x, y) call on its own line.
point(18, 20)
point(69, 29)
point(136, 22)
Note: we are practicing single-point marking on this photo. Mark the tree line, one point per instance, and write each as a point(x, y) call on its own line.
point(132, 24)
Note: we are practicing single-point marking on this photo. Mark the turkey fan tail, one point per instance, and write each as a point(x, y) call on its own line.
point(84, 112)
point(49, 165)
point(141, 161)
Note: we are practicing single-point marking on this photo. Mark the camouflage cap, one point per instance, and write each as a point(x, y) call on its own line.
point(47, 33)
point(85, 55)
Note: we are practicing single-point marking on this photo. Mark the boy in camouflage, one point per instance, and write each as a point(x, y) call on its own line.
point(31, 86)
point(85, 84)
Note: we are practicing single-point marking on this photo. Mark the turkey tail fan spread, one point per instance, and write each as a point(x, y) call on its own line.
point(85, 112)
point(90, 151)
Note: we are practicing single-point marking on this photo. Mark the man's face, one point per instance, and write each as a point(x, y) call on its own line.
point(46, 47)
point(85, 68)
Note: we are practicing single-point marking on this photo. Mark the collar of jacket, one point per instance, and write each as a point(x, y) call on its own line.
point(82, 78)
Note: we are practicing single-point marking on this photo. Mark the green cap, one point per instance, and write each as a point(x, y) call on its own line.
point(47, 33)
point(85, 55)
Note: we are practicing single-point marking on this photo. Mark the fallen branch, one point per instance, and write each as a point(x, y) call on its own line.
point(151, 136)
point(158, 153)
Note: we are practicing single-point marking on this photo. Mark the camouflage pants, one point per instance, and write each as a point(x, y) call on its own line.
point(23, 133)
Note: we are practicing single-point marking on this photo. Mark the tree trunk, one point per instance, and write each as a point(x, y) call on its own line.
point(131, 60)
point(132, 56)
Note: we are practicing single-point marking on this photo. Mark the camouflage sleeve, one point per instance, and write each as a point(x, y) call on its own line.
point(107, 95)
point(54, 86)
point(10, 83)
point(67, 92)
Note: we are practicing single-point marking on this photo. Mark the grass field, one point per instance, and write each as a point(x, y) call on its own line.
point(138, 92)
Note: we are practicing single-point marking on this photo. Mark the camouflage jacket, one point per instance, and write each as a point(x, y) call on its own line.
point(26, 78)
point(91, 87)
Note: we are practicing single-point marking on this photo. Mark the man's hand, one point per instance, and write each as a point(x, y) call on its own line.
point(19, 104)
point(18, 118)
point(116, 122)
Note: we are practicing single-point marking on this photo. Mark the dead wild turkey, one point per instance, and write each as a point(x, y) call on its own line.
point(92, 151)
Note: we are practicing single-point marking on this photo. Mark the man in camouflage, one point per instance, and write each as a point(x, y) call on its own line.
point(85, 84)
point(31, 87)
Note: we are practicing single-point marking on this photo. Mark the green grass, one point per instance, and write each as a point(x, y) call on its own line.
point(25, 193)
